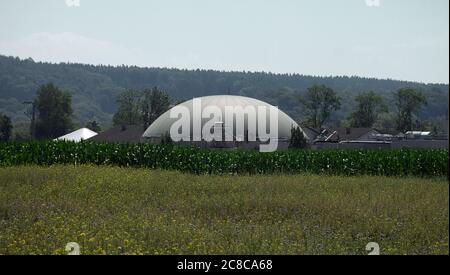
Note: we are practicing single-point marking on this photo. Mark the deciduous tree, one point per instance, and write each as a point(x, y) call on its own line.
point(408, 102)
point(54, 112)
point(320, 102)
point(5, 127)
point(154, 103)
point(298, 139)
point(370, 106)
point(94, 126)
point(128, 112)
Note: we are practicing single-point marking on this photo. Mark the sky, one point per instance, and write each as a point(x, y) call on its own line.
point(396, 39)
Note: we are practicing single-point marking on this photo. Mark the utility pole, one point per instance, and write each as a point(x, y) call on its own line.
point(33, 117)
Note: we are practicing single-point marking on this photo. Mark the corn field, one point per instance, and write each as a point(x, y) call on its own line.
point(405, 162)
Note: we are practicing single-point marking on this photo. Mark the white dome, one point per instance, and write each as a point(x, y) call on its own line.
point(162, 125)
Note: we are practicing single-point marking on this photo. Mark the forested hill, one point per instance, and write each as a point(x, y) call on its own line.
point(94, 88)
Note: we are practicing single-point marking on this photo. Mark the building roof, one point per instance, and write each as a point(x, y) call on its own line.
point(162, 125)
point(78, 135)
point(311, 133)
point(349, 134)
point(418, 133)
point(121, 133)
point(390, 132)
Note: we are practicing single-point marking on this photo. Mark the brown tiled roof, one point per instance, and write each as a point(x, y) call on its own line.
point(125, 133)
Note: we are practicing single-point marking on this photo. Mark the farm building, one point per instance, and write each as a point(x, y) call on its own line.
point(121, 134)
point(418, 135)
point(242, 111)
point(312, 134)
point(352, 134)
point(78, 135)
point(368, 138)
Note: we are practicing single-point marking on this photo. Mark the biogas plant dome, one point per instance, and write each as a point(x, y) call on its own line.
point(216, 111)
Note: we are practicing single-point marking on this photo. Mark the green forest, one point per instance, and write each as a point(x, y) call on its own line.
point(94, 90)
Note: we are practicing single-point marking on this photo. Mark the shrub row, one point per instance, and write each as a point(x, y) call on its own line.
point(405, 162)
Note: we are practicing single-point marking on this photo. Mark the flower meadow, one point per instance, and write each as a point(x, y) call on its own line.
point(118, 210)
point(404, 162)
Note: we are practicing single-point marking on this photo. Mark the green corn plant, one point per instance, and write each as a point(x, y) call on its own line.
point(398, 163)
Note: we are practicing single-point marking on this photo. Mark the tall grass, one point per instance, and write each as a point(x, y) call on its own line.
point(112, 210)
point(405, 162)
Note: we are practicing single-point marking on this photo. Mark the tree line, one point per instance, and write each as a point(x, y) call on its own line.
point(52, 110)
point(321, 101)
point(51, 114)
point(94, 90)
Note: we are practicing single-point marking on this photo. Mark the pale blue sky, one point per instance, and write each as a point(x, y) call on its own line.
point(399, 39)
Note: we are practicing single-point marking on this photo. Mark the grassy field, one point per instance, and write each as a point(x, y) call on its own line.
point(110, 210)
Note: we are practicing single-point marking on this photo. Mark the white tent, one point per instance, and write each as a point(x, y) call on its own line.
point(78, 135)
